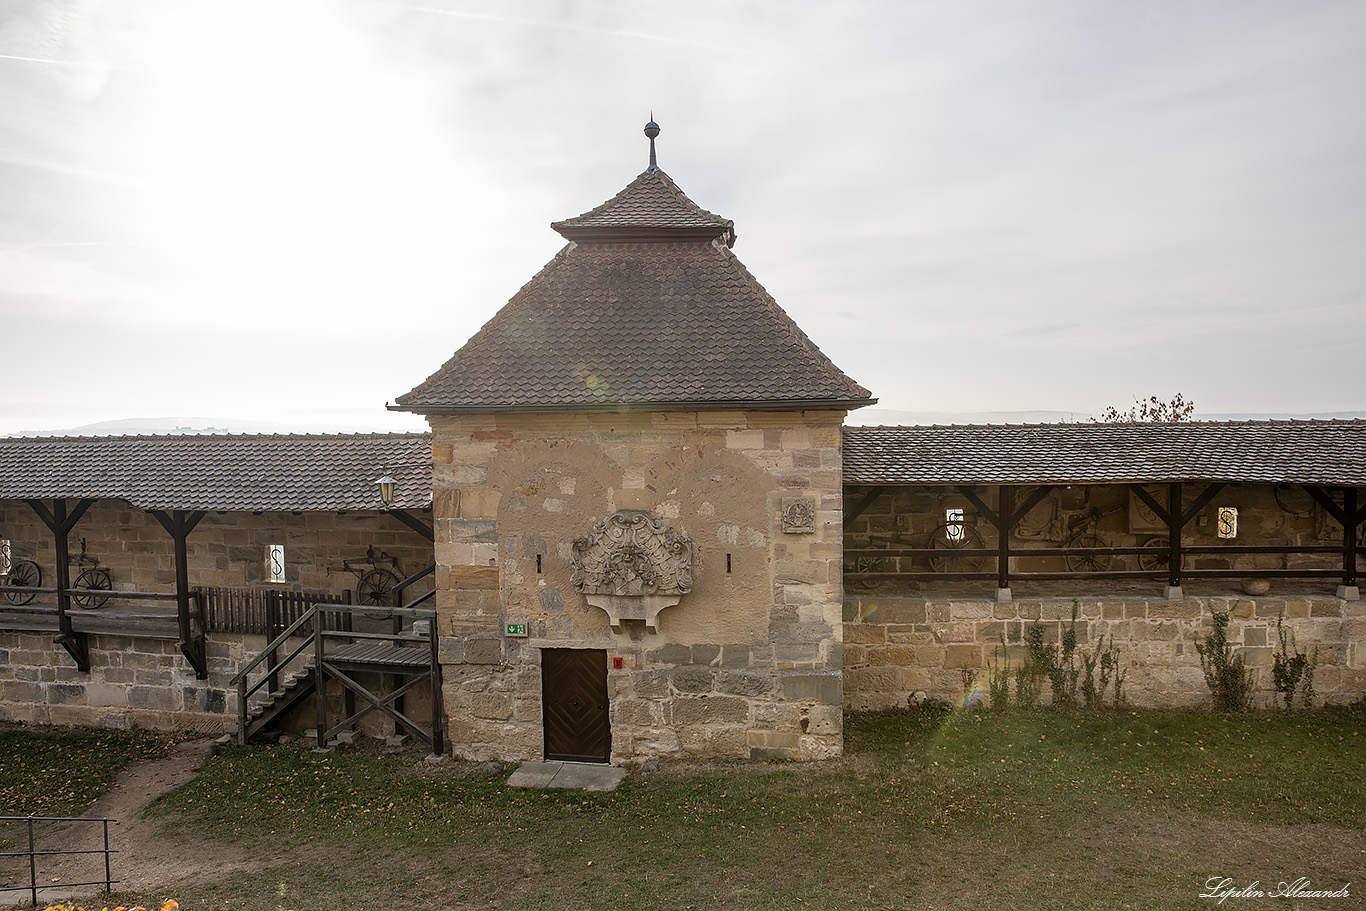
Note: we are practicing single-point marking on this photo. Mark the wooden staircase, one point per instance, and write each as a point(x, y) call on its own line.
point(318, 649)
point(297, 688)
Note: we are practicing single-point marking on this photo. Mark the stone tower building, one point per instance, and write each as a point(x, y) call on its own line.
point(637, 504)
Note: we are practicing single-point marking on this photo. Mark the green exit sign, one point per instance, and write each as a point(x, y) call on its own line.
point(516, 629)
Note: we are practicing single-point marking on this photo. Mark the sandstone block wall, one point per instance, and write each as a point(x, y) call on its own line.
point(747, 664)
point(147, 683)
point(896, 646)
point(142, 683)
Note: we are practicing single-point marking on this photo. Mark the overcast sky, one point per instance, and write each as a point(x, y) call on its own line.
point(296, 210)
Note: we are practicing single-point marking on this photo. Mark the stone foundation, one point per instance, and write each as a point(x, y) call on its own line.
point(896, 647)
point(133, 683)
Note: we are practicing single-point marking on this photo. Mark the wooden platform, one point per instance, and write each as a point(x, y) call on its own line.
point(141, 620)
point(381, 655)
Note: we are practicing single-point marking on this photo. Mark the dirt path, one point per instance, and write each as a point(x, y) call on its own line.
point(146, 860)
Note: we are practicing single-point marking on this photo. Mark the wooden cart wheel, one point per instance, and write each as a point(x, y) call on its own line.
point(951, 537)
point(1158, 555)
point(23, 574)
point(374, 588)
point(1086, 563)
point(92, 580)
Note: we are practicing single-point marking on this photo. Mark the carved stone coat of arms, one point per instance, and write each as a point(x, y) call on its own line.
point(632, 566)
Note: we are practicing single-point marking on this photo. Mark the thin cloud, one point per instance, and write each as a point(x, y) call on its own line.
point(566, 27)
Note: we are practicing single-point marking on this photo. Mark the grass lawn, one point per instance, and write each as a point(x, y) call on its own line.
point(926, 810)
point(62, 771)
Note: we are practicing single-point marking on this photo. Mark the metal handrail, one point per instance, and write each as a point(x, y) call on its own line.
point(33, 854)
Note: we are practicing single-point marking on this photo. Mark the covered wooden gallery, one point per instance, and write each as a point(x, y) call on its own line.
point(141, 573)
point(959, 541)
point(1174, 505)
point(1157, 524)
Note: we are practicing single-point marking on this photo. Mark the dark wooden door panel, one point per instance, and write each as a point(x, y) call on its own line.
point(574, 704)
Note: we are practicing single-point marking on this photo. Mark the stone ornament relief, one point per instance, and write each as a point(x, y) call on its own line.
point(631, 566)
point(799, 515)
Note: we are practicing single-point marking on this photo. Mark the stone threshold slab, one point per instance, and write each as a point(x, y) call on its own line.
point(584, 776)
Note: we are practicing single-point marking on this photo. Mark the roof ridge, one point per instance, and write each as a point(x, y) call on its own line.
point(1298, 422)
point(201, 437)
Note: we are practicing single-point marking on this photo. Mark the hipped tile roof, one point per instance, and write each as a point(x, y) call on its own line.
point(638, 324)
point(1270, 452)
point(650, 205)
point(648, 307)
point(266, 473)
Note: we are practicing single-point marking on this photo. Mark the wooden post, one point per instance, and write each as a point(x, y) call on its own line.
point(274, 627)
point(1003, 526)
point(320, 702)
point(438, 709)
point(178, 524)
point(1175, 522)
point(63, 542)
point(1349, 537)
point(60, 523)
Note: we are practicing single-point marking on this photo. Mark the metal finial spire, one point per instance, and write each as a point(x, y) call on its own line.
point(652, 130)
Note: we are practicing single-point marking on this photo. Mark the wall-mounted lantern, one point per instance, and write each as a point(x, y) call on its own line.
point(386, 489)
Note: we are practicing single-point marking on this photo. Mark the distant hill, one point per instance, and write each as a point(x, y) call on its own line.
point(868, 417)
point(151, 426)
point(864, 417)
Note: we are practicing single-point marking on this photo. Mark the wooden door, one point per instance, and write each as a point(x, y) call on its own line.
point(574, 704)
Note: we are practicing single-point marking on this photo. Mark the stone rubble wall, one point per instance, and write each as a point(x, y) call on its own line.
point(896, 647)
point(746, 665)
point(133, 683)
point(147, 683)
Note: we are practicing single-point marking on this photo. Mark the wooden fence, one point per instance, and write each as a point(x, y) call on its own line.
point(266, 611)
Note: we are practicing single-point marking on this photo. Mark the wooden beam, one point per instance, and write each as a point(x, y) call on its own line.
point(981, 505)
point(1200, 503)
point(1034, 499)
point(1158, 509)
point(868, 498)
point(1333, 509)
point(413, 522)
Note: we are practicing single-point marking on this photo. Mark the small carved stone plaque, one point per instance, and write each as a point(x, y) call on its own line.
point(799, 515)
point(632, 566)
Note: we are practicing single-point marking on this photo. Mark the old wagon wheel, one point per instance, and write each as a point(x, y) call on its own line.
point(1086, 563)
point(93, 580)
point(951, 537)
point(23, 574)
point(374, 588)
point(859, 565)
point(1157, 555)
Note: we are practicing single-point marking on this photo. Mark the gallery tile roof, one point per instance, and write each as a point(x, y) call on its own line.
point(646, 324)
point(1271, 452)
point(221, 472)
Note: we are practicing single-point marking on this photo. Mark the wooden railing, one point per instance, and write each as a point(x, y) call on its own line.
point(263, 611)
